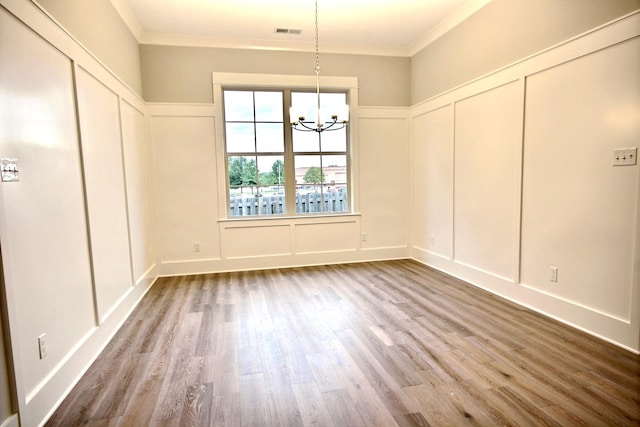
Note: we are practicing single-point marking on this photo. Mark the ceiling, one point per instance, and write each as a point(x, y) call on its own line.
point(383, 27)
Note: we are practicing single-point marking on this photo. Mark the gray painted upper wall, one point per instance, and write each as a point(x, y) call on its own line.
point(97, 26)
point(183, 74)
point(501, 33)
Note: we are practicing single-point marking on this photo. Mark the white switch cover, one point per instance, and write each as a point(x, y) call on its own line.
point(42, 345)
point(625, 156)
point(9, 170)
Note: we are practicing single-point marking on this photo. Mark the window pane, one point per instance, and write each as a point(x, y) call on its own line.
point(240, 138)
point(268, 203)
point(335, 183)
point(334, 169)
point(270, 137)
point(271, 200)
point(307, 170)
point(335, 199)
point(305, 142)
point(238, 106)
point(334, 140)
point(242, 171)
point(269, 106)
point(308, 184)
point(306, 103)
point(271, 172)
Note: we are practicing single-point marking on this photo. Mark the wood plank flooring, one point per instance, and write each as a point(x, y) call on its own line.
point(372, 344)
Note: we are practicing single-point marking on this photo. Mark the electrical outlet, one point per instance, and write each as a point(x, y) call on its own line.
point(42, 346)
point(553, 274)
point(625, 156)
point(196, 247)
point(363, 237)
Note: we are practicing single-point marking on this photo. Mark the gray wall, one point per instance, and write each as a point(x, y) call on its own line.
point(183, 74)
point(97, 25)
point(501, 33)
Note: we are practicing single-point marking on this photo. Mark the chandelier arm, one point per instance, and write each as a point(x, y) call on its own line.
point(331, 125)
point(306, 128)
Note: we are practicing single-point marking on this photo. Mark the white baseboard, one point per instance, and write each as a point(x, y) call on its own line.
point(219, 265)
point(616, 331)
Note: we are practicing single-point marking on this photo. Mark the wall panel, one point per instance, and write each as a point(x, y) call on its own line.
point(185, 172)
point(432, 183)
point(335, 236)
point(488, 138)
point(99, 117)
point(578, 209)
point(137, 173)
point(44, 235)
point(256, 241)
point(383, 143)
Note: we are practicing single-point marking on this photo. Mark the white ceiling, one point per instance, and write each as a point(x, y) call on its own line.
point(383, 27)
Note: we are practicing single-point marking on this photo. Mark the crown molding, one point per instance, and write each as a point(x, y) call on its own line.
point(164, 39)
point(130, 19)
point(447, 24)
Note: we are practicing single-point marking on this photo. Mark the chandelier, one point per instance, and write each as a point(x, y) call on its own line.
point(334, 120)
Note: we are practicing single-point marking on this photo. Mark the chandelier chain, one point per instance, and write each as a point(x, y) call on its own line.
point(319, 122)
point(317, 43)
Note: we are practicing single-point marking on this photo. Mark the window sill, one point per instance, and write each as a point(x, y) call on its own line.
point(327, 218)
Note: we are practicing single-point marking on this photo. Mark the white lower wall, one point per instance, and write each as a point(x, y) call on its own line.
point(76, 229)
point(515, 173)
point(186, 161)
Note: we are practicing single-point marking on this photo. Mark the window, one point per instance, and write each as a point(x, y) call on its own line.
point(272, 170)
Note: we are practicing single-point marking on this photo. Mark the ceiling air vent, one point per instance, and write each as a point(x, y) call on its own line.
point(288, 31)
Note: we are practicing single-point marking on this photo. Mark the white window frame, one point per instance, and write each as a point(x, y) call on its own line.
point(293, 82)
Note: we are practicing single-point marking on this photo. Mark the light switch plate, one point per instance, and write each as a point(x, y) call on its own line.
point(625, 156)
point(9, 169)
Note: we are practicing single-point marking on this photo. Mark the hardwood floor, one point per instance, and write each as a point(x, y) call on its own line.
point(372, 344)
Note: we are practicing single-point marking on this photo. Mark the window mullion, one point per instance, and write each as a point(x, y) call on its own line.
point(289, 166)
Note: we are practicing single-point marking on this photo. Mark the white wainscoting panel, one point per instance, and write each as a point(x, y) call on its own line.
point(384, 172)
point(534, 185)
point(334, 236)
point(43, 227)
point(189, 179)
point(579, 210)
point(137, 173)
point(99, 117)
point(186, 182)
point(256, 240)
point(432, 183)
point(488, 137)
